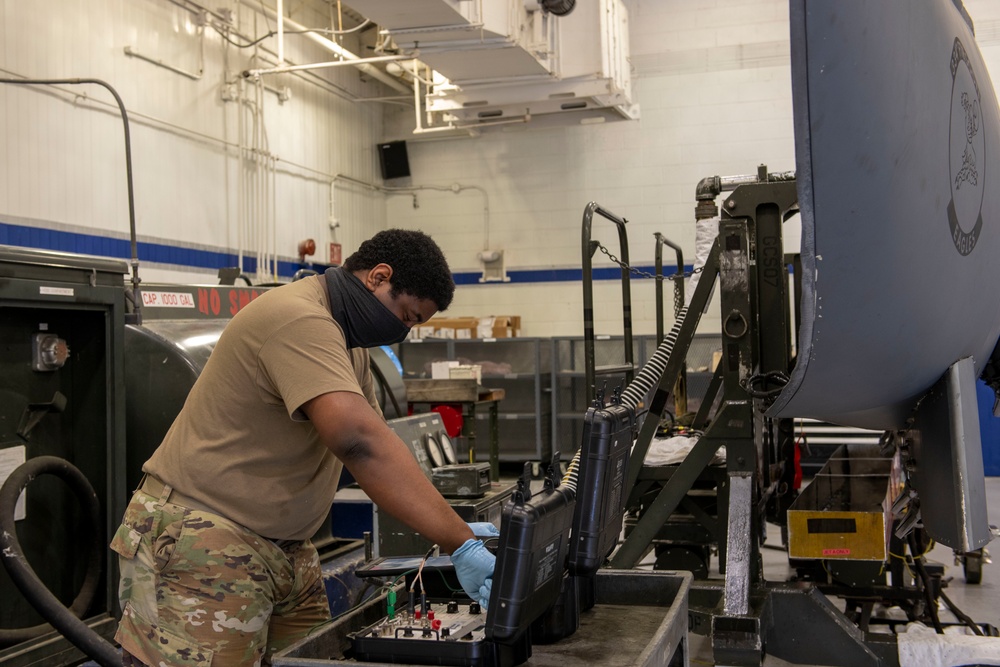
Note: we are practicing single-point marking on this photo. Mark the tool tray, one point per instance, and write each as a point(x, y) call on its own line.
point(640, 618)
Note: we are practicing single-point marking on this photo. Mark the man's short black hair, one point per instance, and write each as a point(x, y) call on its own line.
point(418, 265)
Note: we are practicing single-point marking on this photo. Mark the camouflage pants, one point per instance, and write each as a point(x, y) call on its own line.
point(198, 589)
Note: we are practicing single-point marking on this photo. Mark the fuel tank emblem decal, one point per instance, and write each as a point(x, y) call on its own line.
point(967, 154)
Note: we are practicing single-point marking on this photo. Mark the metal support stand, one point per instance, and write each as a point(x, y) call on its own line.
point(680, 388)
point(591, 370)
point(746, 616)
point(793, 621)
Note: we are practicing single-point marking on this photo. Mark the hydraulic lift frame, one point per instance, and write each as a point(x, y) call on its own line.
point(745, 616)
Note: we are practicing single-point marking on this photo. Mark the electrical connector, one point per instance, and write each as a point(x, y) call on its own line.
point(390, 609)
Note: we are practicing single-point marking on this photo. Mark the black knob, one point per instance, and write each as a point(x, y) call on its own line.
point(474, 608)
point(453, 607)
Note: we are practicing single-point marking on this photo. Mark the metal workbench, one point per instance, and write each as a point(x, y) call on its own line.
point(640, 618)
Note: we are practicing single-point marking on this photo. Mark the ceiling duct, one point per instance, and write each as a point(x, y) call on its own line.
point(504, 59)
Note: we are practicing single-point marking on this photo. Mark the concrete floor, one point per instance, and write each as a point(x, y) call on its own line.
point(981, 601)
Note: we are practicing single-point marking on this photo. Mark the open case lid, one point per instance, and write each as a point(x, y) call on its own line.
point(897, 143)
point(531, 557)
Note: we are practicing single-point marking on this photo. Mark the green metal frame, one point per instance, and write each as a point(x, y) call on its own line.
point(680, 388)
point(745, 615)
point(589, 248)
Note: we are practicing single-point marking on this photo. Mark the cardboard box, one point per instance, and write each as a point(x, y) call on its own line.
point(499, 326)
point(450, 327)
point(422, 331)
point(441, 370)
point(494, 326)
point(466, 372)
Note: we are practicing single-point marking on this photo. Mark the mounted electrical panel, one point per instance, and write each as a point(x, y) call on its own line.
point(503, 61)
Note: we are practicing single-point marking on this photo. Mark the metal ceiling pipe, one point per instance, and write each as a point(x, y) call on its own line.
point(251, 73)
point(712, 186)
point(329, 45)
point(281, 32)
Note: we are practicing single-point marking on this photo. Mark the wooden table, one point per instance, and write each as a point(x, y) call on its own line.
point(468, 394)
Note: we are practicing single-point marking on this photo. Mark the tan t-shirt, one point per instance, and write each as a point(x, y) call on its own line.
point(240, 445)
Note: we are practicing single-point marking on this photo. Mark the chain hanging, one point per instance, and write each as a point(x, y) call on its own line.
point(647, 274)
point(678, 302)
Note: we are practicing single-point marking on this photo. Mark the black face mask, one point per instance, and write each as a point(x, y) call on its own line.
point(365, 320)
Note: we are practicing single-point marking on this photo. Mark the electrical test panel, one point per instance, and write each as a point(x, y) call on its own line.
point(531, 556)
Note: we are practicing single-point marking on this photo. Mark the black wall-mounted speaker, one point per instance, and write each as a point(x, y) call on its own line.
point(393, 160)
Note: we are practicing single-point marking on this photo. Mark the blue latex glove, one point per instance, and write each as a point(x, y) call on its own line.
point(474, 566)
point(484, 529)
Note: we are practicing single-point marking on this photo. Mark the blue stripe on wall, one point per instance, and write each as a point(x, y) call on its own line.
point(556, 275)
point(161, 253)
point(93, 244)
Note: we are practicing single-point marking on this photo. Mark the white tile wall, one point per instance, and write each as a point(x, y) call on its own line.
point(713, 82)
point(61, 154)
point(712, 79)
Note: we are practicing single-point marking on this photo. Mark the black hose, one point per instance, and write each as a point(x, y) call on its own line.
point(925, 580)
point(654, 368)
point(639, 387)
point(64, 620)
point(961, 615)
point(643, 382)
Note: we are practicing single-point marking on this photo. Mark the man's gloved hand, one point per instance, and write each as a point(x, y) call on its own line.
point(484, 529)
point(474, 566)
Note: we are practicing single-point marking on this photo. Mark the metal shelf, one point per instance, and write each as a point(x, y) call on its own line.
point(522, 366)
point(511, 415)
point(614, 369)
point(569, 402)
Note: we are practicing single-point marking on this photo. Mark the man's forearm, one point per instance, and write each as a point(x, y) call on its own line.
point(396, 483)
point(384, 467)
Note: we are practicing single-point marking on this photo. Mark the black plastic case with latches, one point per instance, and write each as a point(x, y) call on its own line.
point(600, 493)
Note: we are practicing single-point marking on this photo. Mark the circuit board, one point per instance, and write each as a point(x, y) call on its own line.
point(442, 632)
point(530, 558)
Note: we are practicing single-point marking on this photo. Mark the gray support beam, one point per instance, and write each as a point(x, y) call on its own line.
point(739, 552)
point(678, 358)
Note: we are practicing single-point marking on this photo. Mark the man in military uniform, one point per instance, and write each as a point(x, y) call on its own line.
point(217, 566)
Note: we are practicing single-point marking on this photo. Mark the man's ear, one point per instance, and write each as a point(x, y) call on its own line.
point(377, 275)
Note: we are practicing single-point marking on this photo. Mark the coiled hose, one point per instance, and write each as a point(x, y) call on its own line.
point(647, 378)
point(651, 373)
point(65, 620)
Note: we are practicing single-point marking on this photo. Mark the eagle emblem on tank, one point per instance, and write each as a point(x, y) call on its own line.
point(967, 154)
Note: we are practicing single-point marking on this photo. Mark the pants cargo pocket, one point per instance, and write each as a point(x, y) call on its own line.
point(166, 543)
point(126, 541)
point(154, 646)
